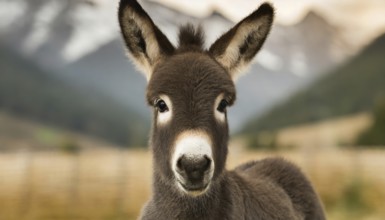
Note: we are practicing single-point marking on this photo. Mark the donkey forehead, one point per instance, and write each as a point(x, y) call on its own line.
point(190, 73)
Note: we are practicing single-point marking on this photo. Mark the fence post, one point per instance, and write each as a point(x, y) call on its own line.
point(26, 187)
point(122, 177)
point(74, 189)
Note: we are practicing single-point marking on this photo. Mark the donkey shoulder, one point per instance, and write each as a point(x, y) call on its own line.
point(291, 179)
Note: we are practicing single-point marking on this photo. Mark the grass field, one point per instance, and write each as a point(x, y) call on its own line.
point(114, 184)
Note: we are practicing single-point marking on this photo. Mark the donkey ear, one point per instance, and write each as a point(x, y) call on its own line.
point(145, 42)
point(236, 48)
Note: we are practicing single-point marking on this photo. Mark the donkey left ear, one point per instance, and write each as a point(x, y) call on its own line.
point(146, 43)
point(235, 49)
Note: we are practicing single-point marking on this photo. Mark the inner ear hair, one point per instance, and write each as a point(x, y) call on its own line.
point(235, 49)
point(145, 42)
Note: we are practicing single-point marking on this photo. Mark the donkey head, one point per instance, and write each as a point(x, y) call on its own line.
point(189, 89)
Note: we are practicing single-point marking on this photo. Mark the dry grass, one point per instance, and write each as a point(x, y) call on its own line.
point(92, 185)
point(114, 184)
point(325, 134)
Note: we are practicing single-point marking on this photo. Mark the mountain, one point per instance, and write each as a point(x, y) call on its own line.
point(108, 71)
point(79, 42)
point(353, 87)
point(28, 92)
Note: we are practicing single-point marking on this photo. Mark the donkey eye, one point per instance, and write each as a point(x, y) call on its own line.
point(161, 106)
point(222, 105)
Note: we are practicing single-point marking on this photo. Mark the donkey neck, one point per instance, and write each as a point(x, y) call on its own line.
point(174, 205)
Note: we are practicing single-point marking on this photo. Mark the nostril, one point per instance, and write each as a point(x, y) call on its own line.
point(202, 164)
point(207, 163)
point(179, 163)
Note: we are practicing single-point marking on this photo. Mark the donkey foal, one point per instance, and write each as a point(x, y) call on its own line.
point(190, 89)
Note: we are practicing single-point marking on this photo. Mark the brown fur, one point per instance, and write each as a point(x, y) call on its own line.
point(193, 78)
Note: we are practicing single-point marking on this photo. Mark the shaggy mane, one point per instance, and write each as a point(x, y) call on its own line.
point(190, 36)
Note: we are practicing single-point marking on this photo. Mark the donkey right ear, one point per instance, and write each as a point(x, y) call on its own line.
point(145, 42)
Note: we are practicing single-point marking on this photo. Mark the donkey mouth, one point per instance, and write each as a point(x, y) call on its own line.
point(193, 189)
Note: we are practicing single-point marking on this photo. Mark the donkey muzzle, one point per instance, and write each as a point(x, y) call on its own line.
point(193, 164)
point(194, 172)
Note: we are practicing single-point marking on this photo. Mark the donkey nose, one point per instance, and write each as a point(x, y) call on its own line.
point(193, 167)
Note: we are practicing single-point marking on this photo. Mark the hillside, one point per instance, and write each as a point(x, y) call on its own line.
point(354, 87)
point(28, 92)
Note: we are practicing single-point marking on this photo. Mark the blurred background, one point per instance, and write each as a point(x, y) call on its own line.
point(74, 122)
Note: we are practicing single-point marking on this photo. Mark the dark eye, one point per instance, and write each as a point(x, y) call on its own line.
point(222, 105)
point(161, 105)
